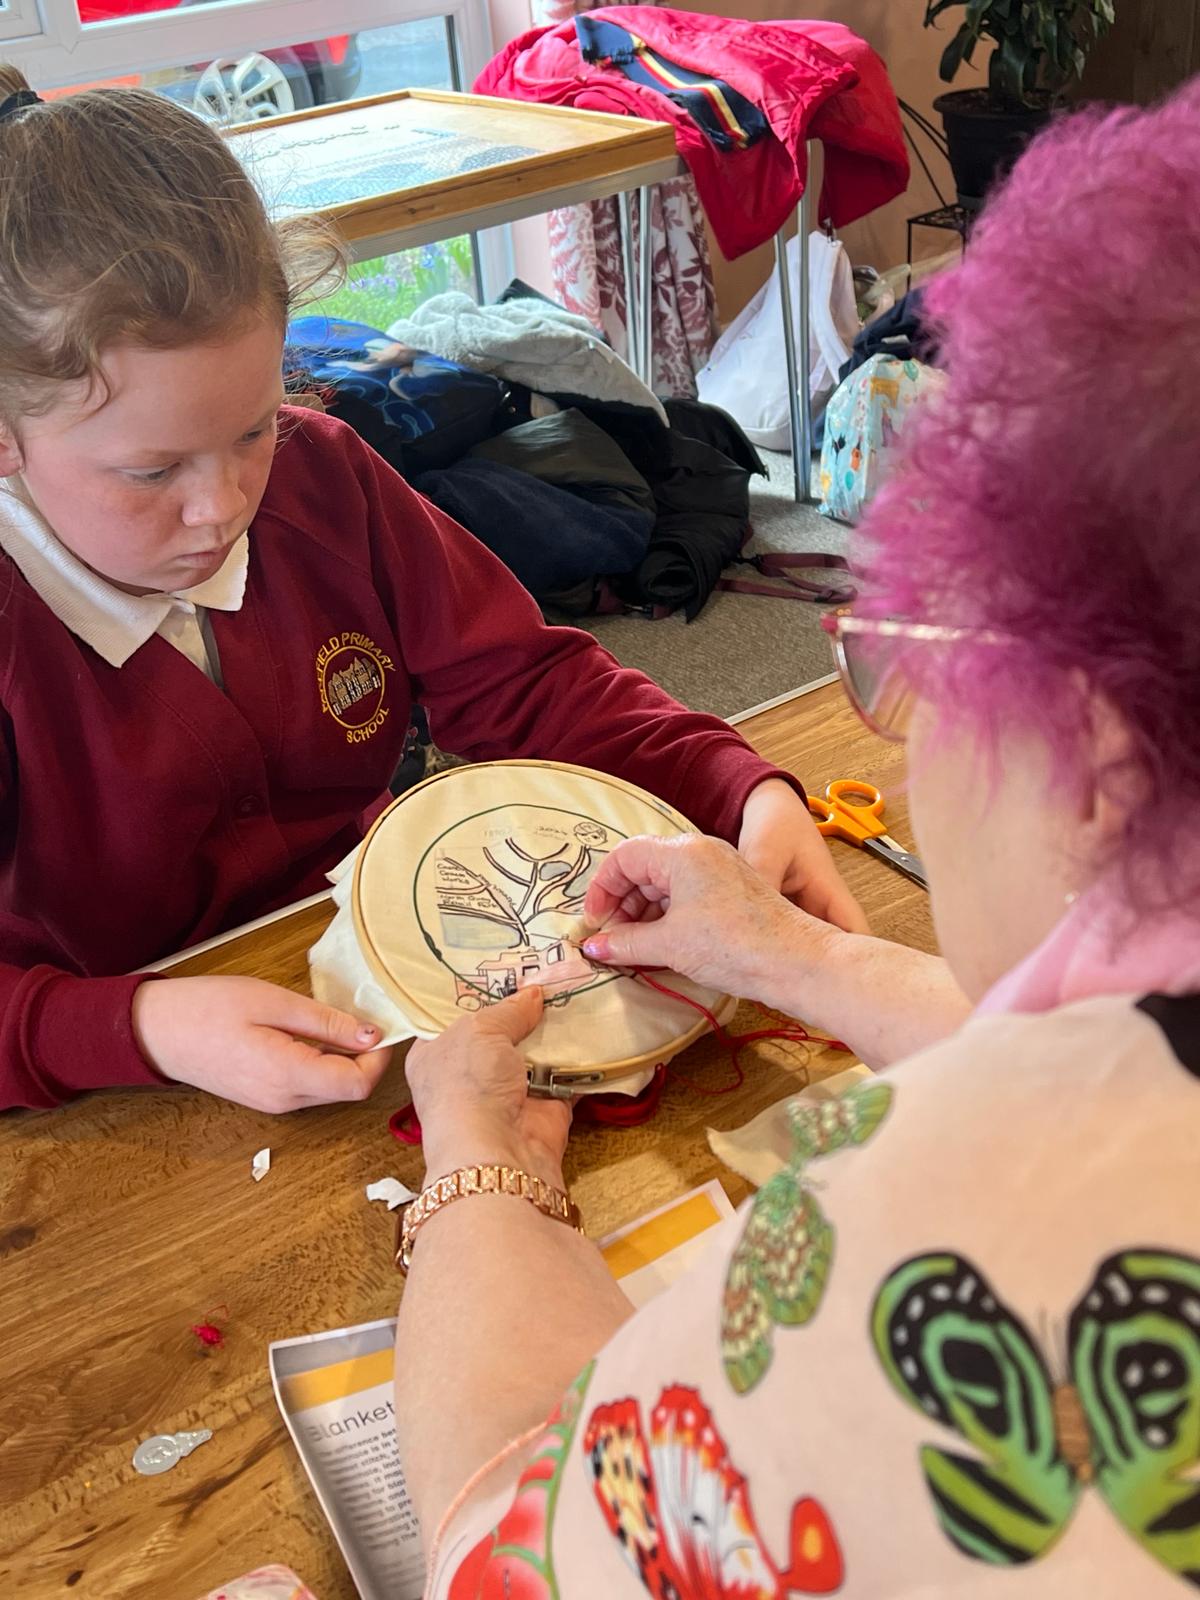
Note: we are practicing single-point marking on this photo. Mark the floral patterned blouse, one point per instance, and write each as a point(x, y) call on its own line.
point(952, 1350)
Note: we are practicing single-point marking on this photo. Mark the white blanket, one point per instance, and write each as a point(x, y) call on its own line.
point(546, 348)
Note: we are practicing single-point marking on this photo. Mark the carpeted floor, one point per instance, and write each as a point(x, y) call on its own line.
point(741, 650)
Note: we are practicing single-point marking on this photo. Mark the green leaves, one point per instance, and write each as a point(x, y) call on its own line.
point(1040, 44)
point(955, 53)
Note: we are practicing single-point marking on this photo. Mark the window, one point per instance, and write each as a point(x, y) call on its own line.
point(381, 291)
point(265, 52)
point(246, 60)
point(293, 77)
point(18, 18)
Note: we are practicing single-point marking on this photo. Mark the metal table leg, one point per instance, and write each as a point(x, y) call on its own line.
point(645, 366)
point(632, 320)
point(789, 355)
point(803, 486)
point(798, 361)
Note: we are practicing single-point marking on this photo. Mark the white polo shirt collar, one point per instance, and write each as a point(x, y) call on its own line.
point(113, 623)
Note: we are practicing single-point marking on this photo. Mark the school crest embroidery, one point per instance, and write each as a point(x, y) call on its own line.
point(352, 683)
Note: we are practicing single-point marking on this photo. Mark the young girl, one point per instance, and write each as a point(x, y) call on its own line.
point(215, 614)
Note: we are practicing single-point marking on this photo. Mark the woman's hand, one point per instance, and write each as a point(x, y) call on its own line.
point(694, 905)
point(779, 839)
point(503, 1305)
point(470, 1090)
point(254, 1043)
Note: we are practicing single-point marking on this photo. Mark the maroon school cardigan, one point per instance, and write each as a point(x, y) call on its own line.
point(145, 809)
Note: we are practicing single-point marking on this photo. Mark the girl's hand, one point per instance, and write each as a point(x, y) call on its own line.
point(779, 839)
point(470, 1090)
point(254, 1043)
point(694, 905)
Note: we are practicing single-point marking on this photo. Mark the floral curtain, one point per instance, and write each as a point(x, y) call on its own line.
point(585, 251)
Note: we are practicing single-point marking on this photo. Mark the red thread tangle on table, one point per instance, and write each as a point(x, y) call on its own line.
point(624, 1110)
point(405, 1125)
point(734, 1043)
point(608, 1110)
point(628, 1111)
point(207, 1331)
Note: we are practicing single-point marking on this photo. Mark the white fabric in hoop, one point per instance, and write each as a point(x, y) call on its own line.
point(470, 886)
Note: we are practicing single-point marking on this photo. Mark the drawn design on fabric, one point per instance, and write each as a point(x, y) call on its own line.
point(779, 1268)
point(681, 1512)
point(515, 1558)
point(1123, 1414)
point(508, 900)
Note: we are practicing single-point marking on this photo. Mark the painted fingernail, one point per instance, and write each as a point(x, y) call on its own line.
point(367, 1034)
point(597, 947)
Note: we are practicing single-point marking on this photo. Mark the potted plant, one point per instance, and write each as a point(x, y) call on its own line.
point(1040, 45)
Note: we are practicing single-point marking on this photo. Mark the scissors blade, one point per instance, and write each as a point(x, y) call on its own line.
point(903, 860)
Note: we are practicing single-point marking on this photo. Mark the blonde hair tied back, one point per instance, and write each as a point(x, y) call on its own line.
point(12, 80)
point(125, 219)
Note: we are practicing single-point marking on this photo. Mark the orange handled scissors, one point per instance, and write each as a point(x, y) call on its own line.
point(853, 810)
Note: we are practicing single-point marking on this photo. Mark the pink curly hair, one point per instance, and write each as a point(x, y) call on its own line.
point(1054, 493)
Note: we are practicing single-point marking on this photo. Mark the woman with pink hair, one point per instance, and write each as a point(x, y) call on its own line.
point(953, 1347)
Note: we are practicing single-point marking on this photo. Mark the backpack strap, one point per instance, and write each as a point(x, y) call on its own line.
point(782, 566)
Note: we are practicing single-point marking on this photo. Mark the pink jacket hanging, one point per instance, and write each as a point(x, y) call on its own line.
point(809, 79)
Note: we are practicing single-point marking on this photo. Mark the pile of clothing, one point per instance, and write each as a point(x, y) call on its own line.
point(744, 98)
point(519, 422)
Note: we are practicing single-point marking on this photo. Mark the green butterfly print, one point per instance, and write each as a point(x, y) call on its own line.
point(778, 1271)
point(1126, 1419)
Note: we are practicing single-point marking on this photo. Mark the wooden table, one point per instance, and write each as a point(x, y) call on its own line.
point(398, 170)
point(130, 1215)
point(395, 171)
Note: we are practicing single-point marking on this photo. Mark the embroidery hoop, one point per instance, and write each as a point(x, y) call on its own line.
point(384, 876)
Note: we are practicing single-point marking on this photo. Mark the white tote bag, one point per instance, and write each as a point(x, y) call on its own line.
point(746, 374)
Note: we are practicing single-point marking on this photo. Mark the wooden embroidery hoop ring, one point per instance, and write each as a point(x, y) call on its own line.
point(559, 1082)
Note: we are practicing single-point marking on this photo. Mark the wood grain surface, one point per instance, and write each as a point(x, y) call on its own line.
point(130, 1215)
point(570, 147)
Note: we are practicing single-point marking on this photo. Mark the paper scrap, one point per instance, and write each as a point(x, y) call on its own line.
point(391, 1190)
point(261, 1164)
point(650, 1254)
point(763, 1146)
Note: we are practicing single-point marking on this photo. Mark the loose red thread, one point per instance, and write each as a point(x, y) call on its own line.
point(734, 1043)
point(405, 1125)
point(207, 1331)
point(623, 1110)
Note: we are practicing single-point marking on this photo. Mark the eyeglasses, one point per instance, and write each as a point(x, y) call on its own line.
point(871, 661)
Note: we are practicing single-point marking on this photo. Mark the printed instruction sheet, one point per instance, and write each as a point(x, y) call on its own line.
point(335, 1392)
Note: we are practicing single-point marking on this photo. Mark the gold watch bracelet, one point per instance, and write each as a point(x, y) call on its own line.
point(481, 1179)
